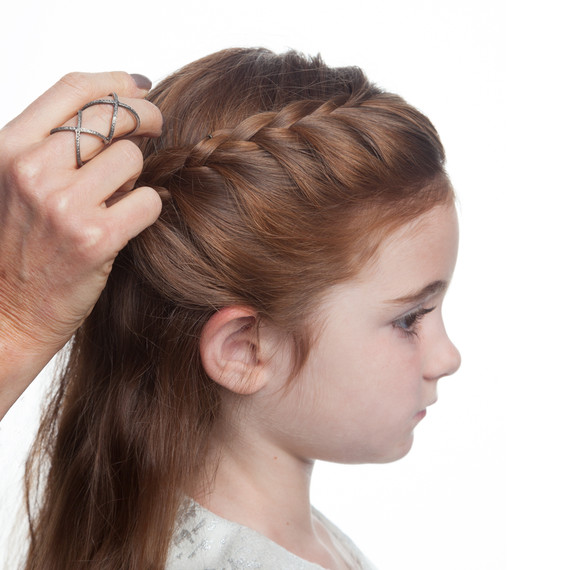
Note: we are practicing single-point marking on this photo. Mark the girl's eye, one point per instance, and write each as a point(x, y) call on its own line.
point(408, 324)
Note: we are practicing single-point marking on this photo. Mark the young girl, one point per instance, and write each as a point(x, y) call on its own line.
point(284, 308)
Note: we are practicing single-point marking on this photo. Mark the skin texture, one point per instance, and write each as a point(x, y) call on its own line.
point(61, 227)
point(368, 378)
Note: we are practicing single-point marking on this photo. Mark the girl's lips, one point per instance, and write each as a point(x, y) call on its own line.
point(421, 415)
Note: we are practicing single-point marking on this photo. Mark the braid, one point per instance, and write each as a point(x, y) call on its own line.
point(303, 127)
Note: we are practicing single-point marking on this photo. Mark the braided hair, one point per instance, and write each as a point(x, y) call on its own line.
point(279, 176)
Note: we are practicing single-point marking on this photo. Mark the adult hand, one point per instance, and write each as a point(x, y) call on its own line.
point(62, 226)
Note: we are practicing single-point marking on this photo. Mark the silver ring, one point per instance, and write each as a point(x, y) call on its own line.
point(79, 130)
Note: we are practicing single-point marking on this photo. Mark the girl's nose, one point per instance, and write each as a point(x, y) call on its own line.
point(444, 360)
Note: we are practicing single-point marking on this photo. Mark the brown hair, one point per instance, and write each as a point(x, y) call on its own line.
point(279, 175)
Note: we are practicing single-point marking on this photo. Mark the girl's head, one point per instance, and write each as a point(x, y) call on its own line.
point(281, 176)
point(284, 181)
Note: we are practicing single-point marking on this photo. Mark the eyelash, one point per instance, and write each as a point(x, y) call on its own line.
point(408, 324)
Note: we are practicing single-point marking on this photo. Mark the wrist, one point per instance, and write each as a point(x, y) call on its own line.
point(22, 358)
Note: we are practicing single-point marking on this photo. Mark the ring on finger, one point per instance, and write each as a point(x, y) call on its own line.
point(79, 129)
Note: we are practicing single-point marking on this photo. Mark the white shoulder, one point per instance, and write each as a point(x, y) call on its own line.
point(351, 551)
point(205, 541)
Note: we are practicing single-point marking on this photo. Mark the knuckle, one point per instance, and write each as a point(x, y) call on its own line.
point(58, 207)
point(9, 140)
point(129, 153)
point(100, 118)
point(91, 240)
point(87, 238)
point(125, 83)
point(97, 115)
point(24, 172)
point(76, 80)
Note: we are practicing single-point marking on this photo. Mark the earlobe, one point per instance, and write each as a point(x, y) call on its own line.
point(229, 349)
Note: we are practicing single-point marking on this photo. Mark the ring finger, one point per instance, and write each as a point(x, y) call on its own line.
point(97, 124)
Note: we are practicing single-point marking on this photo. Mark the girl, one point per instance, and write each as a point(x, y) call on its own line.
point(285, 307)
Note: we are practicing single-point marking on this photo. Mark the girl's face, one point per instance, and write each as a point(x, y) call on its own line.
point(379, 353)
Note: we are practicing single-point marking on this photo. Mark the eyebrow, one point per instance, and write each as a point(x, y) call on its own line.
point(432, 289)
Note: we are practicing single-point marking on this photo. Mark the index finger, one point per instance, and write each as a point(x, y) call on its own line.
point(68, 95)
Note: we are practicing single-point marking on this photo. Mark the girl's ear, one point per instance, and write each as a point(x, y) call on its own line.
point(229, 349)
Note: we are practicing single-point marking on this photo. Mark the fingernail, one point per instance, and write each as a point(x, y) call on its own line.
point(142, 81)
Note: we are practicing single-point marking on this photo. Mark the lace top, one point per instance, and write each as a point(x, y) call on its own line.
point(205, 541)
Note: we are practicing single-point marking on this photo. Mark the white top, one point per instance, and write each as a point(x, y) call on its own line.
point(205, 541)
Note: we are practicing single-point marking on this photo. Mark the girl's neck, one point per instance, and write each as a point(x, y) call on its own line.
point(258, 485)
point(261, 487)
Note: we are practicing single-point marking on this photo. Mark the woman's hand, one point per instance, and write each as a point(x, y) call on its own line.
point(62, 226)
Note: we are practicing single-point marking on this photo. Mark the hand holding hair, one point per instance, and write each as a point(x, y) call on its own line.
point(67, 206)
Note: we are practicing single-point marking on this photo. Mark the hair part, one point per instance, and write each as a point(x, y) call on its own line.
point(279, 176)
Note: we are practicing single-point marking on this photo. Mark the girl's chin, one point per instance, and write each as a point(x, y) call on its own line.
point(363, 456)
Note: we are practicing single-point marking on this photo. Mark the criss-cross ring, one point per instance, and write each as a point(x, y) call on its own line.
point(79, 129)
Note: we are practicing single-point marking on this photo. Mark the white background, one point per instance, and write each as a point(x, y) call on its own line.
point(486, 485)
